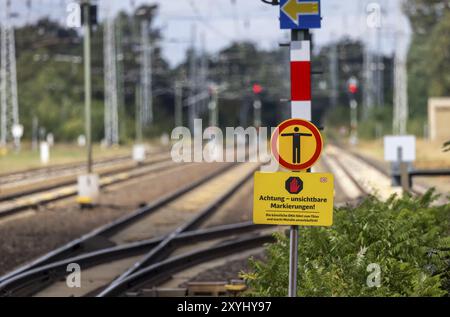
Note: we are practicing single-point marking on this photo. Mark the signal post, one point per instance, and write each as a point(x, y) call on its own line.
point(296, 197)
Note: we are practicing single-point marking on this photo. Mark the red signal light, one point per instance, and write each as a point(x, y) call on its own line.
point(352, 89)
point(257, 89)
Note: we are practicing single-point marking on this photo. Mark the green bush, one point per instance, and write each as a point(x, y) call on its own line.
point(405, 236)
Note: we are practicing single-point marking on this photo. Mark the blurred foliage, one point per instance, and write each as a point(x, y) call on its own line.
point(378, 122)
point(446, 146)
point(428, 59)
point(51, 78)
point(407, 237)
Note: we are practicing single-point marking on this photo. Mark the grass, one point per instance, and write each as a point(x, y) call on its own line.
point(11, 161)
point(429, 154)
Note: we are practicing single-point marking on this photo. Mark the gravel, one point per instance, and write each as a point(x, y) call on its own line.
point(26, 238)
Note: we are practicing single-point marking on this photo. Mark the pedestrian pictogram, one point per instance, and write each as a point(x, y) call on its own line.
point(294, 185)
point(296, 137)
point(296, 144)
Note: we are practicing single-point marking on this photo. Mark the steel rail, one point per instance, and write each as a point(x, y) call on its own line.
point(60, 167)
point(21, 207)
point(376, 165)
point(98, 238)
point(164, 248)
point(73, 180)
point(339, 164)
point(159, 272)
point(34, 280)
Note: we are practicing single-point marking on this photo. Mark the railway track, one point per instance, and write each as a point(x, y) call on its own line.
point(359, 176)
point(54, 170)
point(49, 280)
point(156, 231)
point(66, 186)
point(66, 174)
point(137, 253)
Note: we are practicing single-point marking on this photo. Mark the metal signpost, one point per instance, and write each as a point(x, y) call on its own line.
point(401, 152)
point(88, 184)
point(296, 143)
point(299, 16)
point(86, 14)
point(352, 86)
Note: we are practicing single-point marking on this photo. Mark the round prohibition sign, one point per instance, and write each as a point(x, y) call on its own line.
point(295, 164)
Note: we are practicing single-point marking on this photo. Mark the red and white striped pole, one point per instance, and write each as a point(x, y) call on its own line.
point(301, 109)
point(301, 79)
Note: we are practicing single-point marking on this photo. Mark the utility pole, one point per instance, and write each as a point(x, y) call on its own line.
point(120, 78)
point(257, 105)
point(146, 74)
point(400, 95)
point(8, 76)
point(111, 93)
point(178, 104)
point(334, 75)
point(380, 58)
point(214, 107)
point(88, 184)
point(368, 82)
point(138, 119)
point(203, 74)
point(192, 80)
point(34, 133)
point(379, 69)
point(87, 81)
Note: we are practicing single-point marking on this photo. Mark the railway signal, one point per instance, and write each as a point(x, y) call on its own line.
point(257, 89)
point(352, 86)
point(257, 105)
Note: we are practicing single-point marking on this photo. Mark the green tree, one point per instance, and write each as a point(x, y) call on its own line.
point(428, 60)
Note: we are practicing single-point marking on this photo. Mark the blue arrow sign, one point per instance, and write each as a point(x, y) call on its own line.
point(300, 14)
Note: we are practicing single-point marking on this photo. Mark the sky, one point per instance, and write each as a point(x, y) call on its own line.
point(217, 23)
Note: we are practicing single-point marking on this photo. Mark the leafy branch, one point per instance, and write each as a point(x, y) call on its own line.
point(446, 146)
point(401, 235)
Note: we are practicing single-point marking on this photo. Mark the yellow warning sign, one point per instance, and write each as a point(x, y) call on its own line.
point(297, 144)
point(304, 199)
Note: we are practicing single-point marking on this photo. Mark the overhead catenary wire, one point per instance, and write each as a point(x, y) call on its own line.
point(205, 22)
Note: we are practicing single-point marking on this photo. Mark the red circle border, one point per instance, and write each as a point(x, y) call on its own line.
point(316, 134)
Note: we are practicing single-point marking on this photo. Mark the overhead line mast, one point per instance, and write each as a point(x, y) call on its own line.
point(8, 78)
point(146, 75)
point(111, 92)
